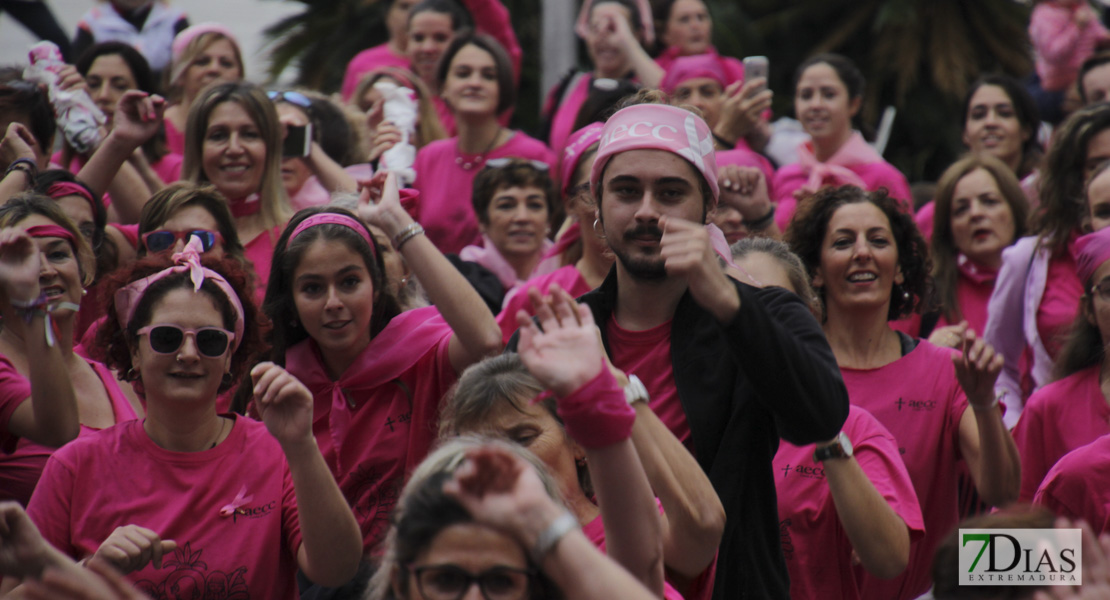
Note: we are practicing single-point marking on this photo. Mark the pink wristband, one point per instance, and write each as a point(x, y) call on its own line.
point(597, 415)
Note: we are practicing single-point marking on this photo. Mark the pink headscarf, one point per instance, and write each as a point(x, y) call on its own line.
point(582, 26)
point(187, 36)
point(1091, 251)
point(577, 144)
point(658, 127)
point(695, 66)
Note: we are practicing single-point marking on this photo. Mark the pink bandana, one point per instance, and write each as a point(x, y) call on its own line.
point(68, 188)
point(658, 127)
point(696, 66)
point(835, 170)
point(1091, 251)
point(127, 297)
point(577, 145)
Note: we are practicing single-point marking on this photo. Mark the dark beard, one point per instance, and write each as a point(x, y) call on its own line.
point(646, 268)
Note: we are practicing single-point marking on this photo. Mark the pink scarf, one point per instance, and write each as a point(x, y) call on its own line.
point(837, 169)
point(389, 355)
point(488, 256)
point(975, 271)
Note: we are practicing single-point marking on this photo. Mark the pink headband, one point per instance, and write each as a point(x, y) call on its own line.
point(658, 127)
point(330, 218)
point(41, 231)
point(1091, 251)
point(685, 68)
point(582, 26)
point(187, 35)
point(127, 298)
point(68, 188)
point(577, 144)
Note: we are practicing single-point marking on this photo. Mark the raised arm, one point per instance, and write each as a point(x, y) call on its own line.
point(331, 542)
point(476, 333)
point(564, 353)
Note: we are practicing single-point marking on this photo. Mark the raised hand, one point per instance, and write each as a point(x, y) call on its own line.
point(977, 368)
point(284, 404)
point(564, 352)
point(138, 117)
point(743, 108)
point(131, 548)
point(386, 136)
point(20, 265)
point(23, 551)
point(18, 142)
point(379, 204)
point(688, 253)
point(745, 189)
point(951, 336)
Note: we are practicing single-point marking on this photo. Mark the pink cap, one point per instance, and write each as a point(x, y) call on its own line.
point(1091, 251)
point(658, 127)
point(685, 68)
point(577, 144)
point(647, 22)
point(187, 35)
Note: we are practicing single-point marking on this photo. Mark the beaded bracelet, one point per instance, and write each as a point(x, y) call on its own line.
point(762, 222)
point(414, 229)
point(28, 166)
point(557, 530)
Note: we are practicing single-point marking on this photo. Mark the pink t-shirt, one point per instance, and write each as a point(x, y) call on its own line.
point(791, 178)
point(175, 140)
point(1057, 419)
point(1059, 45)
point(817, 550)
point(366, 61)
point(387, 415)
point(918, 399)
point(647, 354)
point(564, 112)
point(260, 251)
point(1060, 303)
point(567, 277)
point(231, 509)
point(1078, 486)
point(595, 531)
point(21, 460)
point(444, 207)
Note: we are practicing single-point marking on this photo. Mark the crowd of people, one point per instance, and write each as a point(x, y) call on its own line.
point(266, 342)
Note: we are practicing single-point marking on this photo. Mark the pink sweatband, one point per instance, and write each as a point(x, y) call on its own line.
point(42, 231)
point(127, 298)
point(1091, 251)
point(658, 127)
point(68, 188)
point(685, 68)
point(577, 145)
point(597, 415)
point(330, 218)
point(647, 22)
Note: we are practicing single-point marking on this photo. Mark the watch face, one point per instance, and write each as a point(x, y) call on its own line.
point(845, 444)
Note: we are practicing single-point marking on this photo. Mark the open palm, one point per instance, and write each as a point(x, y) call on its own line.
point(563, 351)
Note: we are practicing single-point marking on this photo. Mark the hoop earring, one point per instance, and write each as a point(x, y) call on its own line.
point(602, 234)
point(132, 375)
point(226, 380)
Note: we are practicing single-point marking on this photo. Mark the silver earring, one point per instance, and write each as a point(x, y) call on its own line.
point(602, 233)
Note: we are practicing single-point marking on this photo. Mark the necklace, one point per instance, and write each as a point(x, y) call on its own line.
point(223, 422)
point(468, 164)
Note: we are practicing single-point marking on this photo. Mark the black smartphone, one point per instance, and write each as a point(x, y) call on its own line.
point(298, 141)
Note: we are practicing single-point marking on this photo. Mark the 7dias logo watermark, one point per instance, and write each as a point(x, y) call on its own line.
point(1021, 557)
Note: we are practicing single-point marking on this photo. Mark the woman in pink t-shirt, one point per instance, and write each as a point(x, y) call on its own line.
point(1037, 291)
point(828, 94)
point(49, 394)
point(868, 262)
point(188, 499)
point(377, 374)
point(475, 78)
point(1073, 410)
point(233, 141)
point(981, 211)
point(596, 446)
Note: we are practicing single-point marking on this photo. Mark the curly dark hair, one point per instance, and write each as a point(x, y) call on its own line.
point(807, 231)
point(114, 340)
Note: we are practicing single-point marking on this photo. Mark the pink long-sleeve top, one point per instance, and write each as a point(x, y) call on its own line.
point(1060, 45)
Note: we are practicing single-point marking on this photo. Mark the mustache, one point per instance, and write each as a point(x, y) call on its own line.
point(642, 231)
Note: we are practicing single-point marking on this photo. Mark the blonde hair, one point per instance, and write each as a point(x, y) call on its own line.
point(196, 46)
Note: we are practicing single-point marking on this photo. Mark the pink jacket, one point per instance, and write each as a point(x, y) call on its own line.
point(1059, 44)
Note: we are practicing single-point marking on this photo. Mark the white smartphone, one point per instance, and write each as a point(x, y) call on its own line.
point(756, 66)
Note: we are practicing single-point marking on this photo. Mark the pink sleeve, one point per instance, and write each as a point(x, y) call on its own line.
point(350, 78)
point(924, 219)
point(50, 507)
point(878, 456)
point(290, 521)
point(1029, 437)
point(14, 391)
point(493, 19)
point(1053, 33)
point(1063, 494)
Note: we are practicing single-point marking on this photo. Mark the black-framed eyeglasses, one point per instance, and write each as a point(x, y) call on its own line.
point(1102, 290)
point(499, 163)
point(164, 239)
point(451, 582)
point(295, 98)
point(165, 338)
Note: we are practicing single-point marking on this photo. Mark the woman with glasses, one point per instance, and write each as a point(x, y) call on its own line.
point(476, 80)
point(309, 178)
point(1073, 410)
point(50, 394)
point(188, 501)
